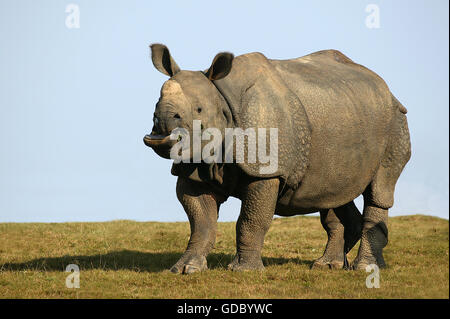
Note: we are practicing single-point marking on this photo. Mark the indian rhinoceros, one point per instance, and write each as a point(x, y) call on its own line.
point(341, 133)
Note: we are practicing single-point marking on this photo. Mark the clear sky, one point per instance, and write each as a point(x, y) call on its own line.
point(76, 102)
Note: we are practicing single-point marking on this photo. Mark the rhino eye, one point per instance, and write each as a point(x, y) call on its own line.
point(177, 116)
point(199, 110)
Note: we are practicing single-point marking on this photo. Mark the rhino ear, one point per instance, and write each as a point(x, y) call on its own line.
point(220, 66)
point(162, 60)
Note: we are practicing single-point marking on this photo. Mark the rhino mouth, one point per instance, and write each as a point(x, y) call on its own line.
point(155, 140)
point(161, 144)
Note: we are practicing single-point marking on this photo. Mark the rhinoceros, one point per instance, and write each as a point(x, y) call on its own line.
point(340, 134)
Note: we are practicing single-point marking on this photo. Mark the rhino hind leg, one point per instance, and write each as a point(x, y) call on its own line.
point(343, 226)
point(374, 238)
point(201, 208)
point(333, 256)
point(379, 196)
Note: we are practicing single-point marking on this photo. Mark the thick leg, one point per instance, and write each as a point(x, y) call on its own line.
point(379, 196)
point(352, 220)
point(201, 207)
point(343, 226)
point(333, 256)
point(374, 237)
point(258, 206)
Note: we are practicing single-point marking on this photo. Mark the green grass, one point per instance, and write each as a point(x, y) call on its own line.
point(126, 259)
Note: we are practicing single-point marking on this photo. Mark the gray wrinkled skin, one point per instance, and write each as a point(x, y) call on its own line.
point(341, 133)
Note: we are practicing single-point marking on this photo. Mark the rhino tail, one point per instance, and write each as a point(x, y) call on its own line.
point(399, 105)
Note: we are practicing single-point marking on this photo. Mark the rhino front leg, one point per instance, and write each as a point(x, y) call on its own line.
point(258, 206)
point(201, 207)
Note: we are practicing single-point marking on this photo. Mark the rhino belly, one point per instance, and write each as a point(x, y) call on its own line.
point(337, 174)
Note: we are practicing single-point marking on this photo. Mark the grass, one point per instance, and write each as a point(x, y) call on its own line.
point(126, 259)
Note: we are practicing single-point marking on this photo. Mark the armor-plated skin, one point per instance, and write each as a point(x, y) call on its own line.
point(341, 133)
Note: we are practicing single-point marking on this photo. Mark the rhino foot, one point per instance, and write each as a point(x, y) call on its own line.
point(244, 263)
point(189, 264)
point(373, 240)
point(362, 263)
point(331, 259)
point(333, 264)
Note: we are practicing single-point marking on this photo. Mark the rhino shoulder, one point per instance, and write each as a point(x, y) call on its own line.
point(329, 55)
point(332, 54)
point(258, 56)
point(251, 63)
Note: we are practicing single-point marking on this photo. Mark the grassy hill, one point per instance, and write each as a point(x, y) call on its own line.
point(126, 259)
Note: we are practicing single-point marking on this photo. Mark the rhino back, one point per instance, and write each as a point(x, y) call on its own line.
point(350, 111)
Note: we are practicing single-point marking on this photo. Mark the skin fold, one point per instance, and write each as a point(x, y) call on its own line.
point(341, 134)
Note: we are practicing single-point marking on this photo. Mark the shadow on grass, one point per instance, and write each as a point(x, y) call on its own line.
point(130, 260)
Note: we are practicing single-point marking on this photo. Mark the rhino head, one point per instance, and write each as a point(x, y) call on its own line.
point(185, 97)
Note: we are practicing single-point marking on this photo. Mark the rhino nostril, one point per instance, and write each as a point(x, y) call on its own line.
point(177, 116)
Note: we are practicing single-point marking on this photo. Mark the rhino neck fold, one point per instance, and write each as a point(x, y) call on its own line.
point(258, 97)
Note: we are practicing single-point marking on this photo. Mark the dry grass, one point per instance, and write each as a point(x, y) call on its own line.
point(126, 259)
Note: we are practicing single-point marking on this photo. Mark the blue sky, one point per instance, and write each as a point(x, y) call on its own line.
point(75, 103)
